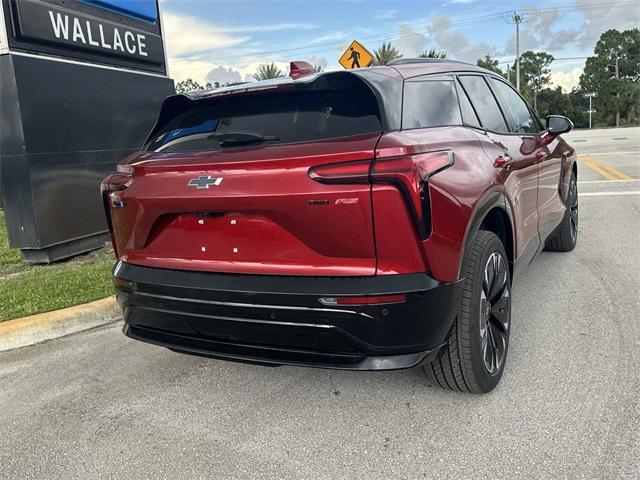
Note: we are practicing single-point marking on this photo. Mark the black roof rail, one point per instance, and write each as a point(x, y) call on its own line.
point(409, 61)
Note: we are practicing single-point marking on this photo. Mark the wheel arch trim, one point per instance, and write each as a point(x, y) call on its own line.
point(494, 199)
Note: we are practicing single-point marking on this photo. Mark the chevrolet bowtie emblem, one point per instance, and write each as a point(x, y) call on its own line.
point(204, 181)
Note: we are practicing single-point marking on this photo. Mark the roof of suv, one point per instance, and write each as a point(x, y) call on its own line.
point(414, 67)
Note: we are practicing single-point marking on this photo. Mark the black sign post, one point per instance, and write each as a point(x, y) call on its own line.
point(80, 87)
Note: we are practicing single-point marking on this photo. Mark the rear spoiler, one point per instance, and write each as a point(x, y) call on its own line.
point(386, 86)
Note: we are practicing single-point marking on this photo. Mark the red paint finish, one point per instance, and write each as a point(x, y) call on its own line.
point(266, 216)
point(454, 193)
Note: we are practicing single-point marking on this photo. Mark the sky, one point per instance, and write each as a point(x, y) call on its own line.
point(226, 41)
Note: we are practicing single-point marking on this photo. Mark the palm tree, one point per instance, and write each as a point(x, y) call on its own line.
point(267, 71)
point(385, 54)
point(433, 53)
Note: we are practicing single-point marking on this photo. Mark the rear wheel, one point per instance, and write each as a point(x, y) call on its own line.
point(476, 350)
point(565, 237)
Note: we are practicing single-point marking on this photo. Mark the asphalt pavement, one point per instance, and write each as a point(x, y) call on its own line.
point(99, 405)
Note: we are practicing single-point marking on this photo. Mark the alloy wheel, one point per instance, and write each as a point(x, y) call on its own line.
point(495, 312)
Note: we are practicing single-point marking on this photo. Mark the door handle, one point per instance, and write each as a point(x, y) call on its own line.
point(540, 156)
point(503, 161)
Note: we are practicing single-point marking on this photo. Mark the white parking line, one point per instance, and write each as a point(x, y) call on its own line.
point(608, 153)
point(605, 194)
point(609, 181)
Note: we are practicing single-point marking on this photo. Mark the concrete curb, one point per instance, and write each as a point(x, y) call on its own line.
point(46, 326)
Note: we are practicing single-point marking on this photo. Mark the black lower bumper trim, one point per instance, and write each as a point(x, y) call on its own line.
point(280, 320)
point(276, 357)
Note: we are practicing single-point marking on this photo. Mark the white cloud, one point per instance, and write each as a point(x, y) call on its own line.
point(455, 44)
point(384, 14)
point(181, 69)
point(223, 75)
point(187, 36)
point(328, 37)
point(542, 29)
point(567, 80)
point(269, 27)
point(318, 62)
point(599, 20)
point(410, 43)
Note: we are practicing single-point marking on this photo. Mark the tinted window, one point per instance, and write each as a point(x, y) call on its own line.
point(469, 117)
point(430, 103)
point(336, 108)
point(484, 102)
point(523, 121)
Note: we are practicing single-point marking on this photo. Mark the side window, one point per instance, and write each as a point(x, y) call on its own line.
point(469, 116)
point(430, 103)
point(484, 102)
point(523, 121)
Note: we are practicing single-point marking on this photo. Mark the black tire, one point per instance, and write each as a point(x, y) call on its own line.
point(482, 324)
point(565, 236)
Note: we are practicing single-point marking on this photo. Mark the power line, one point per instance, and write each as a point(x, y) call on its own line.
point(430, 29)
point(488, 18)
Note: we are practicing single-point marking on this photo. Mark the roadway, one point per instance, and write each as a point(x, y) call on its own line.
point(98, 405)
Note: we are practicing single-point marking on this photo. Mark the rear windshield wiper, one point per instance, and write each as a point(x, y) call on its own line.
point(231, 138)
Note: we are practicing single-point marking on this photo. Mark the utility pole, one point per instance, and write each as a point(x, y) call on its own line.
point(517, 18)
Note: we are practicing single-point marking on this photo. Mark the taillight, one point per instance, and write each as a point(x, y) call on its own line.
point(364, 300)
point(116, 182)
point(347, 172)
point(410, 174)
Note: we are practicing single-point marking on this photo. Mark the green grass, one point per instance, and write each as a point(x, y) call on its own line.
point(30, 289)
point(9, 258)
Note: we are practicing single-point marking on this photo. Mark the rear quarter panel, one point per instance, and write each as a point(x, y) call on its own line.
point(455, 195)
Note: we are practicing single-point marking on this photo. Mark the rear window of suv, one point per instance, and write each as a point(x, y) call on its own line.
point(328, 108)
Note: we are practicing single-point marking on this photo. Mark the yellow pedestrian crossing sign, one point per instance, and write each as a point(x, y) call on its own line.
point(355, 56)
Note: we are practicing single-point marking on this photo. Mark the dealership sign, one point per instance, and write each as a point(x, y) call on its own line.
point(94, 31)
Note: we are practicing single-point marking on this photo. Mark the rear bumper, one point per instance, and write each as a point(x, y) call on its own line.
point(280, 320)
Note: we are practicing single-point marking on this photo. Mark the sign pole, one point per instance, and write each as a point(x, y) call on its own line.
point(590, 96)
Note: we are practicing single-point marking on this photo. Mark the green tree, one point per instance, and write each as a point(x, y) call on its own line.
point(490, 64)
point(614, 73)
point(553, 101)
point(188, 85)
point(385, 54)
point(535, 74)
point(433, 53)
point(267, 71)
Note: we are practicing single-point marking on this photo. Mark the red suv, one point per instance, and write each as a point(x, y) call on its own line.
point(369, 219)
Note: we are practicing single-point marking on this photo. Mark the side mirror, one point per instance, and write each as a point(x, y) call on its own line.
point(557, 124)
